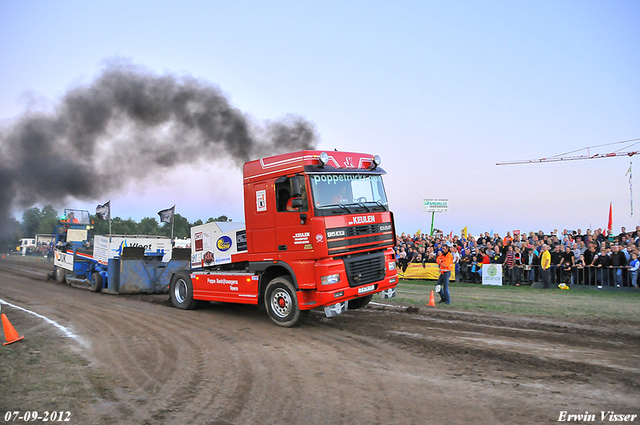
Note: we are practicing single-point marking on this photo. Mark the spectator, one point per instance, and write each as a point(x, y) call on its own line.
point(483, 259)
point(579, 271)
point(589, 257)
point(633, 269)
point(618, 264)
point(489, 250)
point(411, 256)
point(602, 262)
point(517, 266)
point(556, 272)
point(456, 261)
point(466, 262)
point(402, 259)
point(496, 258)
point(445, 261)
point(509, 262)
point(545, 264)
point(568, 263)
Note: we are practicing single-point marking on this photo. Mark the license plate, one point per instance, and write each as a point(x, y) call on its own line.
point(367, 288)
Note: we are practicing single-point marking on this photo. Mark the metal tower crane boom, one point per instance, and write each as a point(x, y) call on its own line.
point(567, 157)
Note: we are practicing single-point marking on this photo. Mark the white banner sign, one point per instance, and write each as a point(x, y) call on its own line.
point(63, 260)
point(435, 205)
point(492, 274)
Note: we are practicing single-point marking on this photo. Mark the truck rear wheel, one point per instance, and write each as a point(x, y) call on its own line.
point(360, 302)
point(60, 274)
point(282, 303)
point(96, 282)
point(181, 291)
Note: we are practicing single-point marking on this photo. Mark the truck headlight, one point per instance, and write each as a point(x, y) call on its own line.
point(392, 265)
point(330, 280)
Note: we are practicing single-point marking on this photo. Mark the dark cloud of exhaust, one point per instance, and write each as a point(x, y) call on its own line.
point(129, 124)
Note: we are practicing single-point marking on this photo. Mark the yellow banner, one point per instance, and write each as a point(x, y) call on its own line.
point(430, 271)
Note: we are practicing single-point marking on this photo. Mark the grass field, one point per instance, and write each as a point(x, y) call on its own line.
point(572, 304)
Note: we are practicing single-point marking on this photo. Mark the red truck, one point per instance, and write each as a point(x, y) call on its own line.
point(318, 234)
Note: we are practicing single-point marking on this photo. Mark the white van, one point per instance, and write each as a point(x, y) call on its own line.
point(26, 244)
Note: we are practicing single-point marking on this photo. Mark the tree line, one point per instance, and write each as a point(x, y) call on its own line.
point(36, 221)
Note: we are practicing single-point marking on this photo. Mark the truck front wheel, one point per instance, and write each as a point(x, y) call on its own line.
point(181, 291)
point(282, 303)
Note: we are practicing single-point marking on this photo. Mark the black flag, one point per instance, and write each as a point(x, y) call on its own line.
point(104, 211)
point(166, 216)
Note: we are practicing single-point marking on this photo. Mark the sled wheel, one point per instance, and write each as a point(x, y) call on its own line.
point(60, 274)
point(96, 282)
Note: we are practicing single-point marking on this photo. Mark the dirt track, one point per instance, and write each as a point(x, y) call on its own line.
point(225, 364)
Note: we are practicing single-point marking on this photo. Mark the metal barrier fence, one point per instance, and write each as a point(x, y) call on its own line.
point(596, 276)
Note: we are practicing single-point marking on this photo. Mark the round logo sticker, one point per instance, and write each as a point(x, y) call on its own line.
point(223, 243)
point(492, 270)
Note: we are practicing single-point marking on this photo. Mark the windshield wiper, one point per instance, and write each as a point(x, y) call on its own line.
point(343, 206)
point(381, 205)
point(364, 206)
point(359, 204)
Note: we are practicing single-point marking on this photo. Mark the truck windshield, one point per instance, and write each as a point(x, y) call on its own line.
point(76, 216)
point(348, 192)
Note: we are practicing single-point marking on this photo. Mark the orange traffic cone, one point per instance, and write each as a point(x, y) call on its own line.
point(10, 333)
point(432, 301)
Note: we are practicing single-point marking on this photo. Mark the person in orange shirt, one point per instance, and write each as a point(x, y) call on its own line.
point(445, 261)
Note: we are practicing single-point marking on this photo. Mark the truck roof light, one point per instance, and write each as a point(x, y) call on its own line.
point(324, 158)
point(376, 162)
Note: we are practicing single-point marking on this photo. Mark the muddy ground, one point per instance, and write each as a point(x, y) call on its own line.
point(137, 360)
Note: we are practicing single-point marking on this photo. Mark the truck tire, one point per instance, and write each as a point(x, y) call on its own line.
point(282, 303)
point(96, 282)
point(60, 274)
point(360, 302)
point(181, 291)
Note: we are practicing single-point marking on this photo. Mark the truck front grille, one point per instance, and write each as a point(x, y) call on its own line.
point(364, 269)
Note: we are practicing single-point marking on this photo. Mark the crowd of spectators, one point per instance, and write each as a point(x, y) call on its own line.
point(598, 257)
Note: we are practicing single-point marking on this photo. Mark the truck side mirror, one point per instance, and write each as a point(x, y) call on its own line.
point(296, 203)
point(295, 187)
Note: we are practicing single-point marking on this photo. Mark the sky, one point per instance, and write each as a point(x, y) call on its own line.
point(440, 90)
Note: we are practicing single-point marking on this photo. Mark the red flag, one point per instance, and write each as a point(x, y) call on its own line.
point(610, 225)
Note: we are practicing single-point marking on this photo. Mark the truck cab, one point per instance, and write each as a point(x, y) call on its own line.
point(318, 234)
point(72, 251)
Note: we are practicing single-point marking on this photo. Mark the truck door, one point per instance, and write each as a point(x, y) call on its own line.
point(291, 203)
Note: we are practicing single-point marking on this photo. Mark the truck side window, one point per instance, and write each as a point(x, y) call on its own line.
point(284, 196)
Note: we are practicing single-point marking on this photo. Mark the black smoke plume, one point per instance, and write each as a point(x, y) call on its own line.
point(128, 124)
